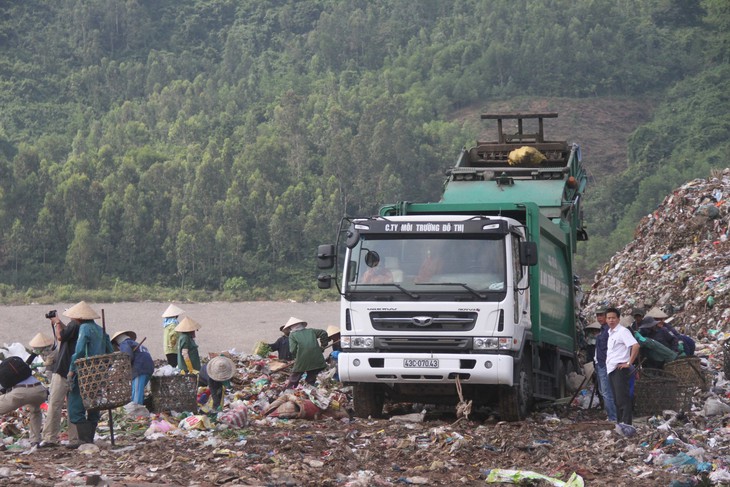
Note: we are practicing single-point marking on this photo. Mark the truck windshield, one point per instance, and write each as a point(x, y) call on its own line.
point(428, 268)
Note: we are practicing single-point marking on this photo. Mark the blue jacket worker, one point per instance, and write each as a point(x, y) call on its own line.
point(142, 363)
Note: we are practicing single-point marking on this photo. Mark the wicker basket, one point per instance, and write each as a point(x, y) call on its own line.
point(654, 391)
point(685, 394)
point(105, 381)
point(174, 393)
point(688, 371)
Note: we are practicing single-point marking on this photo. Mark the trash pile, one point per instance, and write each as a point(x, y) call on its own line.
point(679, 260)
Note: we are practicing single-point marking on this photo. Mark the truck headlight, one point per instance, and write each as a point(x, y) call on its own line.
point(357, 342)
point(492, 343)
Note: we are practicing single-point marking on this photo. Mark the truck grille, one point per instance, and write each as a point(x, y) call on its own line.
point(422, 344)
point(423, 322)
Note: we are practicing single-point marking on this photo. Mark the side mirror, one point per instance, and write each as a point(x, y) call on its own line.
point(325, 257)
point(528, 253)
point(324, 281)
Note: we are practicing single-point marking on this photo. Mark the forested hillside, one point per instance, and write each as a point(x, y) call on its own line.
point(212, 144)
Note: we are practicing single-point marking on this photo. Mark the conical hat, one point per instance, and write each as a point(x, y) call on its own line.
point(188, 324)
point(40, 341)
point(220, 368)
point(333, 330)
point(171, 311)
point(593, 326)
point(81, 311)
point(657, 313)
point(293, 321)
point(129, 333)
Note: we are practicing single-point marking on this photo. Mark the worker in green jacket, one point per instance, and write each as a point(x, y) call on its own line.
point(307, 352)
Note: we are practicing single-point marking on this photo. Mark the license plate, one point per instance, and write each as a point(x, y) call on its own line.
point(426, 363)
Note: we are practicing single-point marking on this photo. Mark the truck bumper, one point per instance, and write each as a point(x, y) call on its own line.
point(381, 367)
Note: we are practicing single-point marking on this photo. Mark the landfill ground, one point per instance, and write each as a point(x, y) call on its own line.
point(247, 444)
point(358, 452)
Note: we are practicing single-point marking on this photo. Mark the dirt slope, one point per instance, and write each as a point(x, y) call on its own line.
point(601, 126)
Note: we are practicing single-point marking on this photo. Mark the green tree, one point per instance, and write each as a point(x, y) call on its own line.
point(82, 255)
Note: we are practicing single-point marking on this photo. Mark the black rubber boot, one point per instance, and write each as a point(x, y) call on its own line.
point(92, 432)
point(79, 428)
point(86, 431)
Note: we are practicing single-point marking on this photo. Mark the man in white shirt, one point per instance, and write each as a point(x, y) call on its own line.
point(623, 349)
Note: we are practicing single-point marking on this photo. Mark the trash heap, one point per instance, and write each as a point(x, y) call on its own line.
point(679, 260)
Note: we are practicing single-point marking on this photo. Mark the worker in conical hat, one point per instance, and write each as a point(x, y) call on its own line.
point(92, 341)
point(188, 357)
point(42, 345)
point(308, 355)
point(81, 311)
point(40, 340)
point(169, 336)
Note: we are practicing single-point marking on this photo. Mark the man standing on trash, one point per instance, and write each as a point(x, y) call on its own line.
point(604, 385)
point(92, 341)
point(623, 350)
point(67, 335)
point(307, 353)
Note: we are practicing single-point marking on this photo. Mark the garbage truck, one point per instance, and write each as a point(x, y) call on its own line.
point(470, 298)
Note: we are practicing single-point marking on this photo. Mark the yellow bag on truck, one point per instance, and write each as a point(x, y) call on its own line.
point(525, 155)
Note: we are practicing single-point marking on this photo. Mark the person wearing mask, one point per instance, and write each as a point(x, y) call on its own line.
point(308, 357)
point(42, 346)
point(654, 329)
point(604, 385)
point(142, 363)
point(623, 350)
point(169, 335)
point(92, 341)
point(66, 335)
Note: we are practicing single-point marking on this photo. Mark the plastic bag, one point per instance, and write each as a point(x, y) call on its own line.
point(236, 418)
point(498, 475)
point(199, 422)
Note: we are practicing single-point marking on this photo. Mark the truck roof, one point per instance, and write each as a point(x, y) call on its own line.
point(520, 166)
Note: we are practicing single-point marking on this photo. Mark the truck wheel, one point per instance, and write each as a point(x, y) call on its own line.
point(515, 402)
point(368, 400)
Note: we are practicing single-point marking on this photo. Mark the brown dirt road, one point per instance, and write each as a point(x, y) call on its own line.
point(225, 326)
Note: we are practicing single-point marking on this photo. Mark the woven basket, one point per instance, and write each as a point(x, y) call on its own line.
point(688, 372)
point(174, 393)
point(105, 381)
point(685, 394)
point(654, 391)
